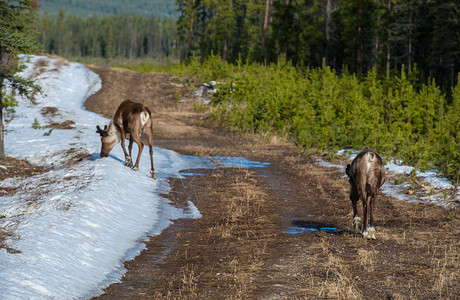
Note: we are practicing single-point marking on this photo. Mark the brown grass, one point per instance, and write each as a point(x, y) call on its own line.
point(337, 281)
point(447, 270)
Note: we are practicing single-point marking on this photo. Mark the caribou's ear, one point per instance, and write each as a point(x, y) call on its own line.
point(99, 130)
point(105, 127)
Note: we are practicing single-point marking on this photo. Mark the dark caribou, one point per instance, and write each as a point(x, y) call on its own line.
point(366, 175)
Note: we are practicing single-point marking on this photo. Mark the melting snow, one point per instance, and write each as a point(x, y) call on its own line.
point(441, 186)
point(72, 227)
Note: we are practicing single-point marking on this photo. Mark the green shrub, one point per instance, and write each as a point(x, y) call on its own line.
point(397, 115)
point(319, 108)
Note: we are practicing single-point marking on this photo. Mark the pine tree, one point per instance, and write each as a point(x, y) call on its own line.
point(410, 19)
point(359, 25)
point(446, 41)
point(186, 24)
point(221, 26)
point(283, 24)
point(17, 36)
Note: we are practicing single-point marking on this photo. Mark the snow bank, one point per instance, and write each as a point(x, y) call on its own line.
point(72, 227)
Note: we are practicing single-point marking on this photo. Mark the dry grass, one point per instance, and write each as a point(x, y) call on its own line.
point(188, 282)
point(336, 280)
point(339, 283)
point(243, 208)
point(447, 271)
point(367, 259)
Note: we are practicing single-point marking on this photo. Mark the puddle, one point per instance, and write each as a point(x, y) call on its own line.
point(191, 174)
point(308, 226)
point(297, 230)
point(212, 162)
point(238, 162)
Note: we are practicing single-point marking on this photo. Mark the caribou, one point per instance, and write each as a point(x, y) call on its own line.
point(131, 121)
point(366, 175)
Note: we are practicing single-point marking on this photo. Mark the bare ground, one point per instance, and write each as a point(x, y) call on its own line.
point(247, 245)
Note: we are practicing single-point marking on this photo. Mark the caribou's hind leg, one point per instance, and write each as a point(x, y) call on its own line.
point(357, 226)
point(128, 160)
point(152, 170)
point(371, 229)
point(368, 231)
point(356, 220)
point(139, 143)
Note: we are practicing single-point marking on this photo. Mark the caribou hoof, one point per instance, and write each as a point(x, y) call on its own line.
point(152, 174)
point(369, 234)
point(128, 161)
point(357, 224)
point(135, 168)
point(371, 231)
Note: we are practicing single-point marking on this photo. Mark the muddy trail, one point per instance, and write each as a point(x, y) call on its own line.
point(277, 232)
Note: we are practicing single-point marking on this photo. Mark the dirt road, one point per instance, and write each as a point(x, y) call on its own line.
point(277, 232)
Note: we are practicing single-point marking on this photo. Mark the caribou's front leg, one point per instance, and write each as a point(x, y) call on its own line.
point(128, 160)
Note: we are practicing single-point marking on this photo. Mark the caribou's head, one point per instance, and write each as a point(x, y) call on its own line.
point(108, 138)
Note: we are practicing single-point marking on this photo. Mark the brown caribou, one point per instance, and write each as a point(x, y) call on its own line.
point(367, 175)
point(131, 121)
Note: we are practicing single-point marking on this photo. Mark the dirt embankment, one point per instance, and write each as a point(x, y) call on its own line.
point(278, 232)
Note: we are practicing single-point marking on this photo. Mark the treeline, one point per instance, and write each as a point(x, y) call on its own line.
point(87, 8)
point(398, 116)
point(123, 36)
point(384, 35)
point(359, 35)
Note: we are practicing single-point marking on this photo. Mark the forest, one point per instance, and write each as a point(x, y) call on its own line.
point(328, 74)
point(121, 36)
point(384, 35)
point(87, 8)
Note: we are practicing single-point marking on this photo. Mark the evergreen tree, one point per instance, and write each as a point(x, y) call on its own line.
point(17, 36)
point(446, 41)
point(221, 27)
point(255, 16)
point(359, 26)
point(186, 24)
point(410, 19)
point(309, 33)
point(283, 24)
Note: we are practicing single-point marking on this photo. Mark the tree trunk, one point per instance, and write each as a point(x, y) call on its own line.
point(264, 36)
point(327, 30)
point(286, 42)
point(409, 58)
point(2, 143)
point(376, 54)
point(388, 59)
point(360, 58)
point(388, 45)
point(190, 31)
point(225, 52)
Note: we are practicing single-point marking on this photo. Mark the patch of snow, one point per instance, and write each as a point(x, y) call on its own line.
point(397, 168)
point(74, 226)
point(322, 163)
point(430, 178)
